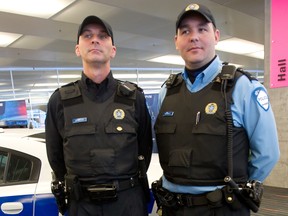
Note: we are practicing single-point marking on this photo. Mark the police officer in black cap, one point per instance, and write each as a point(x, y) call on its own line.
point(215, 131)
point(96, 128)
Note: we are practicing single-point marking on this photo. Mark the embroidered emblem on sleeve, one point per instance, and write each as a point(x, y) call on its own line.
point(262, 98)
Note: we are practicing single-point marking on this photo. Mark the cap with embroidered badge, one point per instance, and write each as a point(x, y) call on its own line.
point(195, 8)
point(95, 20)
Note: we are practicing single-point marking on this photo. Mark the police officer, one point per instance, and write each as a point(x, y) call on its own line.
point(215, 130)
point(96, 128)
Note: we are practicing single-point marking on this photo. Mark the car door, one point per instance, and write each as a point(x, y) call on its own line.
point(19, 175)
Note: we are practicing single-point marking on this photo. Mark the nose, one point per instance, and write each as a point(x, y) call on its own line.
point(194, 36)
point(95, 39)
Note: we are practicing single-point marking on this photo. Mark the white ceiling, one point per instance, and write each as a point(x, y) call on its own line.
point(143, 29)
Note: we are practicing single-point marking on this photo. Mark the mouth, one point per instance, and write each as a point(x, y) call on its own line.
point(194, 49)
point(95, 50)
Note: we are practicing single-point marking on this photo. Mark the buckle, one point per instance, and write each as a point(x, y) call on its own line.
point(102, 192)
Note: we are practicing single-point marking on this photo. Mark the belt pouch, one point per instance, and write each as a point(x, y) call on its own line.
point(215, 198)
point(73, 187)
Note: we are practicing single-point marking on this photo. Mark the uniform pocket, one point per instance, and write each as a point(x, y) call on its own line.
point(165, 129)
point(76, 130)
point(180, 158)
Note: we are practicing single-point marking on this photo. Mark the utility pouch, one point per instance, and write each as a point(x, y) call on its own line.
point(102, 192)
point(162, 196)
point(215, 198)
point(230, 198)
point(73, 187)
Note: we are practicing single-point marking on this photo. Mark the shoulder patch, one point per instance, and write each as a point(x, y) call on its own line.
point(262, 98)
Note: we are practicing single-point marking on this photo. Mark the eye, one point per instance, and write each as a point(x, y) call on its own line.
point(184, 32)
point(87, 35)
point(203, 29)
point(103, 36)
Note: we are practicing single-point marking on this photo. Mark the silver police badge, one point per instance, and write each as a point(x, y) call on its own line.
point(211, 108)
point(119, 114)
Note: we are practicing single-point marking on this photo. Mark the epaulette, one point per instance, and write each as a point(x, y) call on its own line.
point(230, 73)
point(247, 74)
point(126, 92)
point(71, 94)
point(70, 90)
point(128, 88)
point(173, 80)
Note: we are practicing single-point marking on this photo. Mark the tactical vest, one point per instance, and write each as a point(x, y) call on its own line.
point(191, 133)
point(100, 138)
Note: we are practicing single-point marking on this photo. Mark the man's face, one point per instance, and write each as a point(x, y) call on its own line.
point(95, 45)
point(196, 40)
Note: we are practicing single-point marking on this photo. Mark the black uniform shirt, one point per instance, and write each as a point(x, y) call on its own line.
point(54, 124)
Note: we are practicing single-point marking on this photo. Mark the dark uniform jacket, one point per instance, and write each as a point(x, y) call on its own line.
point(94, 131)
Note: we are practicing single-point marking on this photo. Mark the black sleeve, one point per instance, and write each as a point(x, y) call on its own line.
point(145, 129)
point(54, 135)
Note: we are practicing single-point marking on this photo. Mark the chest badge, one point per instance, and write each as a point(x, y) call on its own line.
point(211, 108)
point(119, 114)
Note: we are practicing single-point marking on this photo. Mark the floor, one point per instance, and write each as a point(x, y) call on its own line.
point(274, 202)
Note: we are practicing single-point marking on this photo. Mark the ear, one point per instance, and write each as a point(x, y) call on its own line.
point(175, 42)
point(77, 52)
point(113, 52)
point(217, 36)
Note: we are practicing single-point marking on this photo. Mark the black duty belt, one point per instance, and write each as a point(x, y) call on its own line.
point(126, 183)
point(166, 198)
point(213, 198)
point(79, 188)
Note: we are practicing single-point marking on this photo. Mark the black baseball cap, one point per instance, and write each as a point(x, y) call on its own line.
point(95, 20)
point(195, 8)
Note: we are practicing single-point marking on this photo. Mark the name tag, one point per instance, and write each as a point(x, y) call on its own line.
point(168, 114)
point(79, 120)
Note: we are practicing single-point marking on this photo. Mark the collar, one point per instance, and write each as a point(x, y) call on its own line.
point(209, 72)
point(204, 77)
point(88, 83)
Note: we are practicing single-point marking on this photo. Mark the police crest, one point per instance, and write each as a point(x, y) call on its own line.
point(211, 108)
point(119, 114)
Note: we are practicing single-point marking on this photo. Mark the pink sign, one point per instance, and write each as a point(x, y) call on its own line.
point(279, 44)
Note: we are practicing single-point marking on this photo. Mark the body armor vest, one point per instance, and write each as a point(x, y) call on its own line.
point(191, 133)
point(100, 140)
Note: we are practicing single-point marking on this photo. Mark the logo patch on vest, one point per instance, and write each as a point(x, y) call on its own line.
point(79, 120)
point(211, 108)
point(262, 98)
point(119, 114)
point(168, 114)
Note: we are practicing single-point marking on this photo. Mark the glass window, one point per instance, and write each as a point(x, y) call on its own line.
point(19, 169)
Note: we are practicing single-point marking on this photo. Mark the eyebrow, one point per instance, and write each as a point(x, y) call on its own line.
point(199, 25)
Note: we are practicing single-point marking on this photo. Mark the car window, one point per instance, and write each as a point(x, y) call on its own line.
point(19, 169)
point(3, 162)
